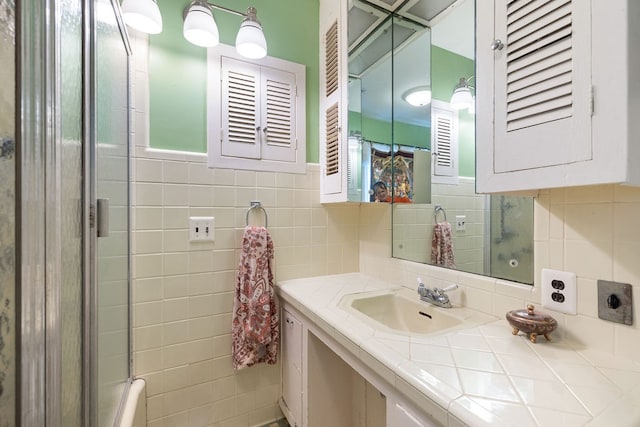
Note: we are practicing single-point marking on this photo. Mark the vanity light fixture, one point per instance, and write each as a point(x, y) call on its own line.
point(472, 107)
point(199, 26)
point(143, 15)
point(200, 29)
point(462, 97)
point(418, 96)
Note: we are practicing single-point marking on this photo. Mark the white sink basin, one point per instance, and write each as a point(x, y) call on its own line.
point(402, 311)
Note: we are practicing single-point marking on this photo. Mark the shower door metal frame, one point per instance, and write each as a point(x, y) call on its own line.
point(89, 274)
point(38, 207)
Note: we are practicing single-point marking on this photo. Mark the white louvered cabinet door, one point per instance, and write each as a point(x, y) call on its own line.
point(542, 84)
point(556, 94)
point(241, 121)
point(278, 111)
point(444, 141)
point(333, 101)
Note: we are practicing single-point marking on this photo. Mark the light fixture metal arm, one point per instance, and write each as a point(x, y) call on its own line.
point(225, 9)
point(210, 5)
point(468, 79)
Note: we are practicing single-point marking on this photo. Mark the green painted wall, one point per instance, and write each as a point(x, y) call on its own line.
point(177, 69)
point(380, 131)
point(446, 70)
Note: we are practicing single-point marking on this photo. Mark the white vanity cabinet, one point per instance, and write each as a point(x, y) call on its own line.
point(401, 416)
point(558, 95)
point(291, 402)
point(326, 384)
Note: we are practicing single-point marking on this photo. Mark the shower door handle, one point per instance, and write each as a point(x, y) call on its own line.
point(102, 220)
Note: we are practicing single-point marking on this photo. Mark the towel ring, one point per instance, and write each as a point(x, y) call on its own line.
point(255, 204)
point(437, 209)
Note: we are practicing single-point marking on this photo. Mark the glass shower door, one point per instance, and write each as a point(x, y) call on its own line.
point(110, 201)
point(7, 213)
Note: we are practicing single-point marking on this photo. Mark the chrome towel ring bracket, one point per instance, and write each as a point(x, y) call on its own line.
point(436, 210)
point(256, 205)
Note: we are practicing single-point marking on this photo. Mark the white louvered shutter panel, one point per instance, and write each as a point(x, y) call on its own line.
point(278, 115)
point(332, 140)
point(333, 178)
point(240, 109)
point(444, 142)
point(542, 84)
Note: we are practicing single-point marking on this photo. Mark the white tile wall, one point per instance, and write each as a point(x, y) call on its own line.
point(183, 292)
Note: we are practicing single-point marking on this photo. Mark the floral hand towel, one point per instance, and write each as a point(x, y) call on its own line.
point(255, 326)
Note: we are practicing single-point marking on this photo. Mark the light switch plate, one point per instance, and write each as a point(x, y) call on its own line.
point(559, 291)
point(201, 229)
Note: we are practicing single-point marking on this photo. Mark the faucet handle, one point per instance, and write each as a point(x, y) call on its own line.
point(422, 289)
point(449, 288)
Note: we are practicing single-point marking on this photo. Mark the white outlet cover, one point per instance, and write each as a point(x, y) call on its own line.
point(569, 305)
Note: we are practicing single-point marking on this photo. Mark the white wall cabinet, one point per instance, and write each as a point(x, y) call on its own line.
point(324, 384)
point(558, 96)
point(256, 113)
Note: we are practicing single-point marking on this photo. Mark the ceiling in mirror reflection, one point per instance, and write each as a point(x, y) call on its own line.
point(418, 25)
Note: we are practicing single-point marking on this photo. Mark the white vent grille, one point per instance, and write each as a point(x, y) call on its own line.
point(279, 122)
point(332, 131)
point(331, 59)
point(241, 104)
point(539, 62)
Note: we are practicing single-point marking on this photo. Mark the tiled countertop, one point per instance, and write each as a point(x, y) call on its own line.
point(483, 375)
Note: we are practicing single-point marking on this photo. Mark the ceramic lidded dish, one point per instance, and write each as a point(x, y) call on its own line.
point(531, 323)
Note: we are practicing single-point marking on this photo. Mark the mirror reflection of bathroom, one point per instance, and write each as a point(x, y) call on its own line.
point(457, 228)
point(385, 130)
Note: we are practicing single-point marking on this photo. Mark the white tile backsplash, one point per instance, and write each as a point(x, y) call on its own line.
point(589, 231)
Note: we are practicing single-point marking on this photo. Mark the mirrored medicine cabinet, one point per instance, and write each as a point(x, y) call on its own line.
point(405, 58)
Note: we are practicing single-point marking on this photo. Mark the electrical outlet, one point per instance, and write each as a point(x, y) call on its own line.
point(201, 228)
point(559, 291)
point(461, 221)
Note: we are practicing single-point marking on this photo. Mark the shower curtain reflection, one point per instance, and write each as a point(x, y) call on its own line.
point(511, 238)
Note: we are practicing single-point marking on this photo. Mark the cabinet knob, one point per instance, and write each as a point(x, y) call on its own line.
point(497, 45)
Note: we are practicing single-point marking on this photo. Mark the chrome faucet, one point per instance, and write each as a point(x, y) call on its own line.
point(435, 296)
